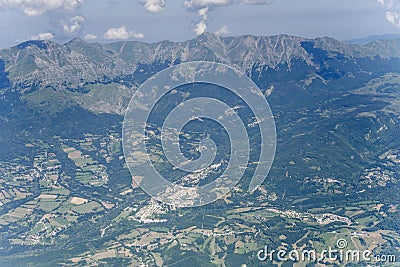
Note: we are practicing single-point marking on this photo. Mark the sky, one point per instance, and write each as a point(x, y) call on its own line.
point(178, 20)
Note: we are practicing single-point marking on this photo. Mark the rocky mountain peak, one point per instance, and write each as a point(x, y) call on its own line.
point(42, 63)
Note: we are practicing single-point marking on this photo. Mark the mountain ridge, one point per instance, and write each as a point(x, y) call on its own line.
point(102, 77)
point(77, 61)
point(372, 38)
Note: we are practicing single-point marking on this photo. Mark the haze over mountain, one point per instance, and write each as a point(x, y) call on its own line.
point(372, 38)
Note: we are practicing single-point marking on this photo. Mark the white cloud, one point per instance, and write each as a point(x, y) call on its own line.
point(202, 7)
point(39, 7)
point(393, 11)
point(203, 13)
point(393, 17)
point(200, 27)
point(224, 30)
point(137, 35)
point(121, 33)
point(387, 3)
point(76, 24)
point(154, 6)
point(198, 4)
point(90, 36)
point(42, 36)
